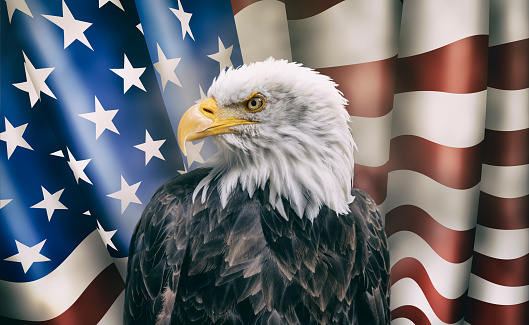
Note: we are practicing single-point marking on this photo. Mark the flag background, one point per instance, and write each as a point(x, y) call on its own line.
point(439, 102)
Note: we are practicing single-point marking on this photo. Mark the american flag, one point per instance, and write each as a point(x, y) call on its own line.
point(92, 92)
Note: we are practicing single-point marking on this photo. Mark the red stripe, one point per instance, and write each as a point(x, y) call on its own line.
point(511, 273)
point(373, 180)
point(238, 5)
point(369, 87)
point(484, 313)
point(506, 148)
point(458, 168)
point(412, 313)
point(448, 310)
point(509, 65)
point(453, 246)
point(299, 9)
point(91, 306)
point(502, 213)
point(459, 67)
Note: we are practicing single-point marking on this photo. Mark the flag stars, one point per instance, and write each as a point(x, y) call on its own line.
point(223, 56)
point(117, 3)
point(13, 5)
point(140, 28)
point(101, 118)
point(184, 18)
point(13, 137)
point(57, 153)
point(127, 194)
point(193, 152)
point(35, 81)
point(131, 76)
point(106, 235)
point(151, 148)
point(50, 203)
point(73, 29)
point(78, 167)
point(165, 68)
point(182, 172)
point(4, 202)
point(202, 95)
point(28, 255)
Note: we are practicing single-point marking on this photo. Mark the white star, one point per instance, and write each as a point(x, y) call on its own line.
point(184, 18)
point(13, 5)
point(222, 56)
point(102, 119)
point(131, 76)
point(140, 28)
point(193, 152)
point(78, 167)
point(106, 235)
point(73, 29)
point(57, 153)
point(35, 81)
point(50, 202)
point(202, 95)
point(28, 255)
point(5, 202)
point(126, 195)
point(166, 67)
point(13, 137)
point(116, 2)
point(151, 148)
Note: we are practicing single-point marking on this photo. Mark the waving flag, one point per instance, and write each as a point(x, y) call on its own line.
point(88, 141)
point(92, 93)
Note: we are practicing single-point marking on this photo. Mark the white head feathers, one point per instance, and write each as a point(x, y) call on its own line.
point(302, 146)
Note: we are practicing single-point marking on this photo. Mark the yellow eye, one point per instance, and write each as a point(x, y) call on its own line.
point(255, 103)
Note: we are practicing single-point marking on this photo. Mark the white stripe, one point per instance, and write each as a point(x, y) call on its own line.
point(372, 138)
point(453, 120)
point(505, 181)
point(452, 208)
point(509, 21)
point(502, 244)
point(449, 279)
point(50, 296)
point(507, 109)
point(428, 25)
point(351, 32)
point(402, 321)
point(263, 31)
point(121, 264)
point(407, 292)
point(115, 314)
point(483, 290)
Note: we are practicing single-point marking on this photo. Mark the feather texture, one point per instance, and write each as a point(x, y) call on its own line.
point(302, 130)
point(194, 262)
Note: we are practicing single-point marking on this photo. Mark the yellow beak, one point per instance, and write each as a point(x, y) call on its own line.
point(205, 119)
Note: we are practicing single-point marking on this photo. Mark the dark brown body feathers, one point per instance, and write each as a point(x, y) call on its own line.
point(246, 264)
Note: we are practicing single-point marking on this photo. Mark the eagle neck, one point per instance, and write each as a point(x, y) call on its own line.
point(317, 177)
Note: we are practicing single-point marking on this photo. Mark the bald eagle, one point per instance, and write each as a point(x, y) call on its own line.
point(269, 230)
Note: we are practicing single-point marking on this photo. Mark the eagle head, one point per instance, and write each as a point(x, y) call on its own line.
point(276, 124)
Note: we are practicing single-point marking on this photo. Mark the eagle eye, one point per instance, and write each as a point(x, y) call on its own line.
point(255, 103)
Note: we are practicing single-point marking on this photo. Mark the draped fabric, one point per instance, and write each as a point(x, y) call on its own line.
point(92, 92)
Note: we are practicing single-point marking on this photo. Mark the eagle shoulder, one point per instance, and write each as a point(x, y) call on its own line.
point(244, 262)
point(336, 267)
point(373, 256)
point(158, 248)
